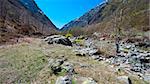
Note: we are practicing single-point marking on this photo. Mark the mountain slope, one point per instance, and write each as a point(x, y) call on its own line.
point(129, 15)
point(22, 17)
point(84, 20)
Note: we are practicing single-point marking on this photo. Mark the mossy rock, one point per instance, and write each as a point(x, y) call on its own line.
point(79, 41)
point(125, 50)
point(68, 35)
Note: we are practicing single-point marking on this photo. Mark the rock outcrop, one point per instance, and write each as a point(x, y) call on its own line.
point(23, 17)
point(58, 39)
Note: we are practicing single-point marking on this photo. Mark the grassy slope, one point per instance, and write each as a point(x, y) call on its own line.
point(21, 62)
point(27, 62)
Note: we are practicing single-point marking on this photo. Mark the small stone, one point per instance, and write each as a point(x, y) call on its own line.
point(124, 79)
point(89, 81)
point(146, 78)
point(136, 69)
point(64, 80)
point(85, 51)
point(68, 67)
point(95, 57)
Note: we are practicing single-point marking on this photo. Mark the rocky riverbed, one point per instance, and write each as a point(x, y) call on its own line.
point(60, 60)
point(130, 58)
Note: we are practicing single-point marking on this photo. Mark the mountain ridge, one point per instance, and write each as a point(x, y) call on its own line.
point(128, 15)
point(83, 20)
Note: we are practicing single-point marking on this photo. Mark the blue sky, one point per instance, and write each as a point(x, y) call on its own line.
point(61, 12)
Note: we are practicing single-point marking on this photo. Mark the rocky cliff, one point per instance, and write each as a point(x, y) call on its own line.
point(23, 17)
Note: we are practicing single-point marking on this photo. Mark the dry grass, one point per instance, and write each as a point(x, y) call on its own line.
point(106, 48)
point(27, 62)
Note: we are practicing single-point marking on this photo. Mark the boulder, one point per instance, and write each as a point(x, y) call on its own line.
point(136, 69)
point(86, 80)
point(58, 39)
point(64, 80)
point(86, 51)
point(59, 65)
point(68, 67)
point(89, 43)
point(147, 78)
point(96, 57)
point(89, 81)
point(55, 65)
point(124, 79)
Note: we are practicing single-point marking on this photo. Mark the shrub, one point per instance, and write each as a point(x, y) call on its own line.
point(68, 35)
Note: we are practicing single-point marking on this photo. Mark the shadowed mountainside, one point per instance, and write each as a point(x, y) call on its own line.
point(22, 17)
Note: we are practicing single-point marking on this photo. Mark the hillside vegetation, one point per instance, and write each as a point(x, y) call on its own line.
point(131, 17)
point(22, 17)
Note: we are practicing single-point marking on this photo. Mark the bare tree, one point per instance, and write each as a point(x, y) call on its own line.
point(3, 12)
point(118, 19)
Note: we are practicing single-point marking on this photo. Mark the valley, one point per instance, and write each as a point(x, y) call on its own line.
point(110, 44)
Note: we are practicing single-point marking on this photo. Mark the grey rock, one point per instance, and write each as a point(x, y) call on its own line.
point(95, 57)
point(89, 43)
point(137, 69)
point(88, 81)
point(64, 80)
point(68, 67)
point(58, 65)
point(93, 51)
point(124, 79)
point(85, 80)
point(58, 39)
point(122, 54)
point(128, 46)
point(80, 52)
point(55, 65)
point(139, 60)
point(86, 51)
point(147, 78)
